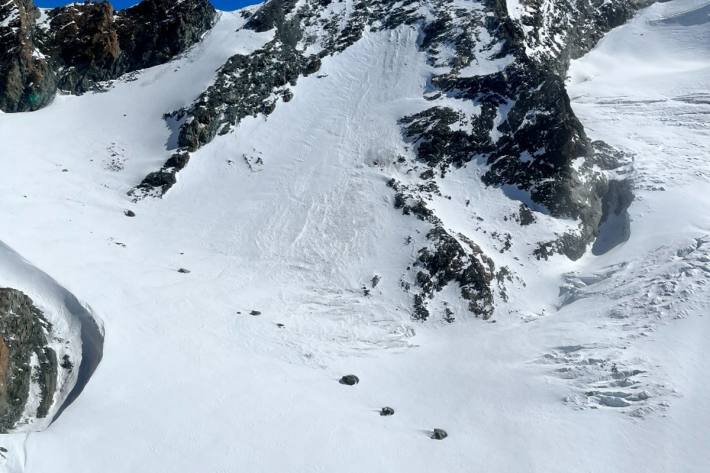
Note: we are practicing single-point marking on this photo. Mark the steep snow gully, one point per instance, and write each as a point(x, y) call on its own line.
point(276, 265)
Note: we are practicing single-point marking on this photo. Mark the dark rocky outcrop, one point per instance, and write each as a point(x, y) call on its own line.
point(438, 145)
point(25, 358)
point(525, 106)
point(271, 15)
point(155, 31)
point(459, 260)
point(77, 47)
point(27, 81)
point(245, 86)
point(438, 434)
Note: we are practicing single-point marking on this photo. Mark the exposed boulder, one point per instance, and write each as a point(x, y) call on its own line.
point(349, 380)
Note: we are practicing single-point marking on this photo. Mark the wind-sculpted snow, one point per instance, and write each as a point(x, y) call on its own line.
point(631, 300)
point(50, 346)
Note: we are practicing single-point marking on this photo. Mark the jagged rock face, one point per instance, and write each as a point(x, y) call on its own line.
point(28, 365)
point(155, 31)
point(78, 46)
point(446, 261)
point(557, 31)
point(246, 86)
point(83, 40)
point(27, 82)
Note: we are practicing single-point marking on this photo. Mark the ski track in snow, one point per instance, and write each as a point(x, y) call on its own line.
point(291, 216)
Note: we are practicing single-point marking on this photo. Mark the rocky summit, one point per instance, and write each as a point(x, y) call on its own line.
point(74, 49)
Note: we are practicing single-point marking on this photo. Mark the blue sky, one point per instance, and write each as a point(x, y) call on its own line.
point(221, 4)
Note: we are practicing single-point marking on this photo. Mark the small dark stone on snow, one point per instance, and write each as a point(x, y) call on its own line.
point(439, 434)
point(349, 380)
point(183, 271)
point(129, 213)
point(375, 281)
point(66, 363)
point(280, 325)
point(255, 312)
point(386, 411)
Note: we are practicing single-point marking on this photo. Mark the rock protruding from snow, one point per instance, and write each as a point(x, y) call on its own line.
point(28, 364)
point(450, 259)
point(50, 346)
point(349, 380)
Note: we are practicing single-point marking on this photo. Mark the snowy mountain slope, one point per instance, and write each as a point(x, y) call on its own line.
point(290, 214)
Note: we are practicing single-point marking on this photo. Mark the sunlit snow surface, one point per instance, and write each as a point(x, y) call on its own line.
point(607, 375)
